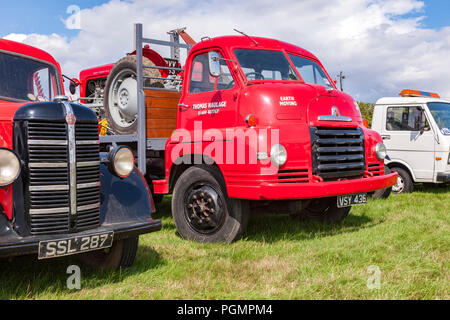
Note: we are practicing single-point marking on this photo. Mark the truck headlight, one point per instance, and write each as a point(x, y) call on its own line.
point(381, 151)
point(9, 167)
point(278, 155)
point(121, 160)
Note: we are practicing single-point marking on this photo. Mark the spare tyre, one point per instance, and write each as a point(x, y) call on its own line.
point(120, 97)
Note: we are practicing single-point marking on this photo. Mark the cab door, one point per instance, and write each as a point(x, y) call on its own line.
point(402, 136)
point(208, 100)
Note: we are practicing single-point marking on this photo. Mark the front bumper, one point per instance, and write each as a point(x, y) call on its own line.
point(285, 191)
point(443, 177)
point(13, 245)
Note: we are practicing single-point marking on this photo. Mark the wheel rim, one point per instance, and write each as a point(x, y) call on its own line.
point(204, 209)
point(122, 98)
point(399, 186)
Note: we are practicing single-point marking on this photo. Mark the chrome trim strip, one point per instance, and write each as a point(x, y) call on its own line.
point(48, 142)
point(88, 164)
point(87, 142)
point(50, 188)
point(72, 160)
point(89, 207)
point(88, 185)
point(49, 211)
point(335, 118)
point(48, 165)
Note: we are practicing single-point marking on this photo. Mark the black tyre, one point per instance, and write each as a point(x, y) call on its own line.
point(383, 193)
point(404, 183)
point(324, 210)
point(120, 255)
point(202, 210)
point(120, 97)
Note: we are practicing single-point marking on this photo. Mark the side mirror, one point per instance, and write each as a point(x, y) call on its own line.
point(72, 88)
point(74, 83)
point(421, 121)
point(214, 64)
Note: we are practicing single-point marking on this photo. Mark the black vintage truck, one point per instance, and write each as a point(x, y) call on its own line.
point(62, 191)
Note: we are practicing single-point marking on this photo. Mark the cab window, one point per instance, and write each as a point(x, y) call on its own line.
point(310, 71)
point(26, 79)
point(404, 119)
point(202, 81)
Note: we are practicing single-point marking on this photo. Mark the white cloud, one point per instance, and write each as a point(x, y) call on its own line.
point(380, 51)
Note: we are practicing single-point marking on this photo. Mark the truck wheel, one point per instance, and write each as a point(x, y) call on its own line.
point(383, 193)
point(324, 210)
point(203, 212)
point(120, 255)
point(120, 97)
point(404, 182)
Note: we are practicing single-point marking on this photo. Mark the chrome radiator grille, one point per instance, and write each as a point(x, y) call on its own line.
point(49, 179)
point(337, 152)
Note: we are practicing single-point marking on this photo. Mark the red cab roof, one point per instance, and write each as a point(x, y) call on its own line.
point(233, 42)
point(23, 49)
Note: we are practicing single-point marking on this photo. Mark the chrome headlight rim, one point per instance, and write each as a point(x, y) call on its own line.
point(116, 155)
point(278, 155)
point(381, 151)
point(14, 157)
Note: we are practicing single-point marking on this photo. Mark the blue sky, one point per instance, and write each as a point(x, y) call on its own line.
point(44, 16)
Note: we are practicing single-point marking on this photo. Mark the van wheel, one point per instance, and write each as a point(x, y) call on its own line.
point(120, 255)
point(202, 210)
point(324, 210)
point(383, 193)
point(404, 181)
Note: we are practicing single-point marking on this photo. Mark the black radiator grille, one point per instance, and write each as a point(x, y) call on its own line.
point(337, 153)
point(49, 177)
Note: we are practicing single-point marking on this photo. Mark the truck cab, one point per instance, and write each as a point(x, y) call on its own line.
point(254, 124)
point(415, 130)
point(59, 194)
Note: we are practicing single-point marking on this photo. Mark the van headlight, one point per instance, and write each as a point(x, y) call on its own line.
point(9, 167)
point(278, 155)
point(121, 161)
point(381, 151)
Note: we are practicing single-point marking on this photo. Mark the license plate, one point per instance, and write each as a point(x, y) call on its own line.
point(65, 247)
point(351, 200)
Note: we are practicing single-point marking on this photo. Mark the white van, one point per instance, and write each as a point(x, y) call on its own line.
point(415, 128)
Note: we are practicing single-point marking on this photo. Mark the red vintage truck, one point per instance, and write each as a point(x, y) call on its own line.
point(248, 124)
point(61, 191)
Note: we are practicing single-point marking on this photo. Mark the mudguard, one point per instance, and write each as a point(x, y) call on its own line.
point(124, 200)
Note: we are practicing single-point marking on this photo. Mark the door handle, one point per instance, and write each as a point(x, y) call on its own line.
point(386, 137)
point(183, 107)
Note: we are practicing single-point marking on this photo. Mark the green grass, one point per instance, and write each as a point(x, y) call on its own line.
point(406, 236)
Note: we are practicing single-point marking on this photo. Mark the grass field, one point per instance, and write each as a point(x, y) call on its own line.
point(407, 237)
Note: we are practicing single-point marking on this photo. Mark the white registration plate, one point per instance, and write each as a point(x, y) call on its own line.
point(69, 246)
point(351, 200)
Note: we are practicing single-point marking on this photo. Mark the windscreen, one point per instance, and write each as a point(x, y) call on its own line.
point(310, 71)
point(441, 114)
point(265, 65)
point(22, 79)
